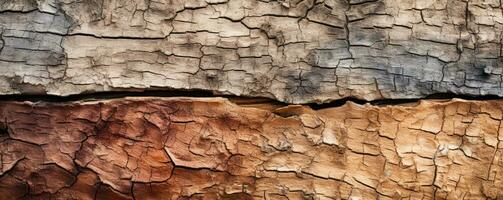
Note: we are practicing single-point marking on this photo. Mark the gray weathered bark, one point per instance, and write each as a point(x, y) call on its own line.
point(296, 51)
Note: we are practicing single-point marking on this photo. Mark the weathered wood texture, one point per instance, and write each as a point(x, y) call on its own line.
point(210, 148)
point(291, 50)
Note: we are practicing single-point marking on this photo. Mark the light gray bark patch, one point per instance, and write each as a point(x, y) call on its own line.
point(85, 11)
point(33, 38)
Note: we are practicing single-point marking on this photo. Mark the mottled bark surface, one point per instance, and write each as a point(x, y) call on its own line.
point(210, 148)
point(291, 50)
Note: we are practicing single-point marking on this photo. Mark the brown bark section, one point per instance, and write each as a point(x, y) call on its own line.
point(211, 148)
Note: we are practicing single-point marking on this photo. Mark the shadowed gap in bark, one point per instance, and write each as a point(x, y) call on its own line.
point(240, 100)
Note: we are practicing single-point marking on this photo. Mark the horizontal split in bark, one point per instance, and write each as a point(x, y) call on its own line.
point(96, 96)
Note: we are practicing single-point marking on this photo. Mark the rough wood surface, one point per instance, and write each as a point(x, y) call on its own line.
point(295, 51)
point(210, 148)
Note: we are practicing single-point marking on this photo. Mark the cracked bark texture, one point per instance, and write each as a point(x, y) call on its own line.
point(295, 51)
point(211, 148)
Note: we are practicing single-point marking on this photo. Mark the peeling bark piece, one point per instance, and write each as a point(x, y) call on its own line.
point(294, 51)
point(182, 148)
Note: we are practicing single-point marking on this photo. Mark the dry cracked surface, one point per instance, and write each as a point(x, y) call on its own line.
point(295, 51)
point(211, 148)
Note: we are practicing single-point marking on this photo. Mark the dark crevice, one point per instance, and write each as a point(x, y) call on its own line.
point(4, 130)
point(336, 103)
point(92, 96)
point(240, 100)
point(101, 36)
point(384, 102)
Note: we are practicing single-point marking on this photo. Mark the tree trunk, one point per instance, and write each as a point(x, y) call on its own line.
point(296, 135)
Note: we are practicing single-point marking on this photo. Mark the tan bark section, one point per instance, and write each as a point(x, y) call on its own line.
point(210, 148)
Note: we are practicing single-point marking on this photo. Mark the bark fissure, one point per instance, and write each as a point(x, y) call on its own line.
point(238, 99)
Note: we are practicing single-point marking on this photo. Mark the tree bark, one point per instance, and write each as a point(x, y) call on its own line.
point(295, 51)
point(211, 148)
point(305, 140)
